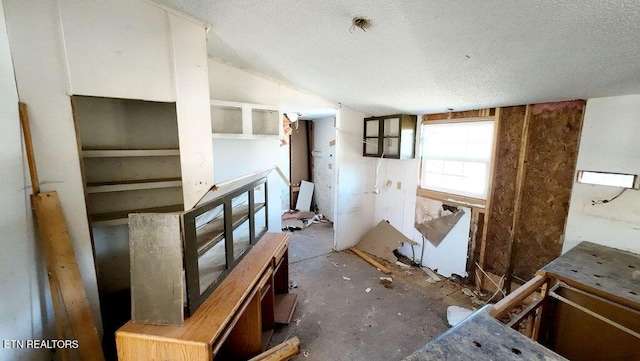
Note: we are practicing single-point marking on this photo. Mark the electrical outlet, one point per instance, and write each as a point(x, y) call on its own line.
point(399, 185)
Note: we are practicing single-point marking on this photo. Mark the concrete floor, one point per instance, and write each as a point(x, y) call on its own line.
point(336, 319)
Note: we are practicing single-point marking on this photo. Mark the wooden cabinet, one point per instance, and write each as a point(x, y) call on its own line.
point(390, 136)
point(232, 323)
point(237, 120)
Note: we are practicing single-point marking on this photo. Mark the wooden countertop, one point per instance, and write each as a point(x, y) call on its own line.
point(600, 270)
point(482, 337)
point(209, 322)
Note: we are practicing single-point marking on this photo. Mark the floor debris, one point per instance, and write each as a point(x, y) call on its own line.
point(386, 282)
point(431, 274)
point(346, 278)
point(368, 290)
point(456, 314)
point(402, 264)
point(382, 240)
point(371, 261)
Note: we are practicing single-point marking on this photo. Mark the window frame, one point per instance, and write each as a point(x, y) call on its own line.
point(460, 197)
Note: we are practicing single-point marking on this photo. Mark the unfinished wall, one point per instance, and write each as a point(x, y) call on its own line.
point(25, 312)
point(355, 179)
point(324, 168)
point(503, 199)
point(609, 143)
point(530, 198)
point(554, 135)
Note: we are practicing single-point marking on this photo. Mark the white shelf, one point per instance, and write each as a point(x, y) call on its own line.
point(115, 153)
point(244, 136)
point(133, 185)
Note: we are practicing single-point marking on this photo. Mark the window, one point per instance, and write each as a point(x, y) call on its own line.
point(456, 157)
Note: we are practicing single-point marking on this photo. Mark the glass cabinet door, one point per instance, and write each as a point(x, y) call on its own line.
point(210, 236)
point(371, 137)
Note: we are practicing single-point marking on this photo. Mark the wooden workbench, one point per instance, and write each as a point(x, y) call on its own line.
point(600, 270)
point(231, 320)
point(586, 306)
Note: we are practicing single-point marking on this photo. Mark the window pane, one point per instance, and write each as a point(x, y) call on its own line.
point(453, 168)
point(456, 157)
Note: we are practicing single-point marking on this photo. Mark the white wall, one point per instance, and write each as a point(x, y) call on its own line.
point(355, 175)
point(324, 171)
point(609, 143)
point(233, 84)
point(24, 310)
point(41, 76)
point(236, 157)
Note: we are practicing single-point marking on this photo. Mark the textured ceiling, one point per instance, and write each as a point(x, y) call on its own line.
point(427, 56)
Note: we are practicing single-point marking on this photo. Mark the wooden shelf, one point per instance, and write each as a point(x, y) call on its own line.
point(115, 153)
point(285, 304)
point(122, 217)
point(105, 187)
point(213, 232)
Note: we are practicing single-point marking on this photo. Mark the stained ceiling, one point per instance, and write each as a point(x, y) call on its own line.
point(427, 56)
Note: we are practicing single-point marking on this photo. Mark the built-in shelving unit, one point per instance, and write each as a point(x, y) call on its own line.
point(235, 120)
point(130, 157)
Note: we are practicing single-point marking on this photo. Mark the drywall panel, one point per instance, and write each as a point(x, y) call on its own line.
point(34, 39)
point(25, 312)
point(193, 108)
point(324, 169)
point(119, 49)
point(450, 256)
point(609, 143)
point(239, 157)
point(355, 181)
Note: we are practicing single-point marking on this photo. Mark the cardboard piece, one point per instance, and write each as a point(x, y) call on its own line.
point(382, 240)
point(436, 229)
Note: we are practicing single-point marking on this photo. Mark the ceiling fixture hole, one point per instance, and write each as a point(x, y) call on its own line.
point(361, 22)
point(477, 343)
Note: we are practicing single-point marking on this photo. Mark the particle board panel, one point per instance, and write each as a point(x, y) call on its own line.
point(148, 279)
point(552, 151)
point(500, 214)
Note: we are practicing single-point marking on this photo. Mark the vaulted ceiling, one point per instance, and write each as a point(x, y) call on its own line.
point(426, 56)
